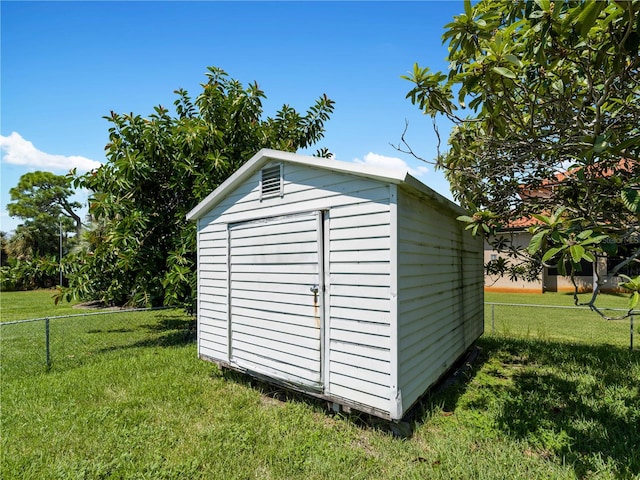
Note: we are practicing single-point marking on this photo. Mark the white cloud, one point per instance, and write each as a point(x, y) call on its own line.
point(391, 163)
point(18, 151)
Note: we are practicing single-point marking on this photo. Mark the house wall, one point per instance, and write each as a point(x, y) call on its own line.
point(558, 283)
point(495, 283)
point(357, 362)
point(546, 283)
point(440, 294)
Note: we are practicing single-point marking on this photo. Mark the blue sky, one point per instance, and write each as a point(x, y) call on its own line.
point(65, 65)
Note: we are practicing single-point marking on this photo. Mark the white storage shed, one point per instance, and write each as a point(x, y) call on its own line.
point(350, 283)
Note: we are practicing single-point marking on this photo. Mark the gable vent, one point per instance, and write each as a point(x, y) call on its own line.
point(271, 181)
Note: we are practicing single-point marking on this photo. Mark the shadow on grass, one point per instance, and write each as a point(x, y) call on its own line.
point(169, 331)
point(275, 394)
point(173, 322)
point(111, 330)
point(172, 331)
point(580, 403)
point(272, 389)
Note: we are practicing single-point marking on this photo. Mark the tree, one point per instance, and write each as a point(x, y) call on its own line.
point(548, 99)
point(4, 256)
point(42, 200)
point(142, 251)
point(34, 239)
point(43, 197)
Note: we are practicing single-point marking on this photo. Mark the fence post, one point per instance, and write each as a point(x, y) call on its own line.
point(630, 332)
point(493, 318)
point(46, 340)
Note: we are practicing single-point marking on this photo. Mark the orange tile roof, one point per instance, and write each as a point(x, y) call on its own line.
point(546, 189)
point(523, 222)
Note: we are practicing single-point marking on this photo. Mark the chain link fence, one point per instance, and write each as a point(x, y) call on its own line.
point(561, 323)
point(41, 344)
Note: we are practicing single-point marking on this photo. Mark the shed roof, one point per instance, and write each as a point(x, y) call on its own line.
point(403, 179)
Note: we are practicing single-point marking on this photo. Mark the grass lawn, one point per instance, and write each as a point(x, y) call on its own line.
point(146, 407)
point(567, 325)
point(34, 304)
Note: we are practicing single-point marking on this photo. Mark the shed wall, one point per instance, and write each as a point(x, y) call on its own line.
point(272, 265)
point(440, 299)
point(357, 302)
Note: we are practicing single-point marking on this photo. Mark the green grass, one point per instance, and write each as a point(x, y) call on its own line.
point(146, 407)
point(566, 325)
point(34, 304)
point(604, 300)
point(85, 339)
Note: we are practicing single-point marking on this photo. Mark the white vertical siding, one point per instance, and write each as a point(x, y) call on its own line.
point(212, 290)
point(440, 293)
point(399, 307)
point(359, 324)
point(358, 291)
point(396, 406)
point(473, 285)
point(276, 323)
point(305, 189)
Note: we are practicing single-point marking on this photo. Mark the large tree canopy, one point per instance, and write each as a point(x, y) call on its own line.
point(31, 255)
point(42, 200)
point(44, 196)
point(141, 250)
point(545, 100)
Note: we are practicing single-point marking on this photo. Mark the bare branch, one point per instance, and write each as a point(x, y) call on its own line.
point(409, 150)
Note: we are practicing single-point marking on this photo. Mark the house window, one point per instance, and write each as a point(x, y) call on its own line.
point(494, 256)
point(271, 181)
point(586, 270)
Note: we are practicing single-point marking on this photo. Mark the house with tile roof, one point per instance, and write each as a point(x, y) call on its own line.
point(518, 233)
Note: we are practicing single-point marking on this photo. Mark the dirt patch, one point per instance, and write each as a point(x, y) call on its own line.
point(98, 305)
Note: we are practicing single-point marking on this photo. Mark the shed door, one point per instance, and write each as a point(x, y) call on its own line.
point(275, 296)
